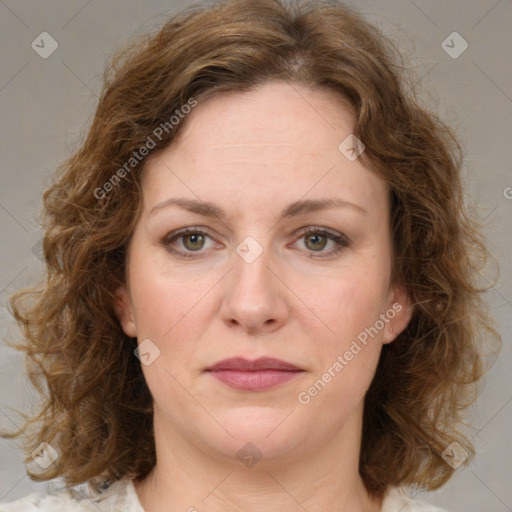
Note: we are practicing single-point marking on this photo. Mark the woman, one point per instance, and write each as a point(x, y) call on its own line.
point(261, 279)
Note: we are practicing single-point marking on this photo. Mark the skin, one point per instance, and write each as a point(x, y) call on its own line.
point(252, 154)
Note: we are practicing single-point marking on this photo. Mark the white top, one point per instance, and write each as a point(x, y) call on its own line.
point(122, 497)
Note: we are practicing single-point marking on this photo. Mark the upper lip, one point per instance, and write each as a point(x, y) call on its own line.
point(262, 363)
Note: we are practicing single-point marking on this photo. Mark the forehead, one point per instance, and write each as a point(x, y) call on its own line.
point(277, 111)
point(278, 141)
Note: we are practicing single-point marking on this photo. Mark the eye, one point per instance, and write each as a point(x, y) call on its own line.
point(189, 240)
point(317, 239)
point(193, 241)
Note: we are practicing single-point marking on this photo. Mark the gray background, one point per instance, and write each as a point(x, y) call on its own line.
point(46, 105)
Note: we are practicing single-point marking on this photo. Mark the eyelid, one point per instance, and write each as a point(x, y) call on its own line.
point(323, 231)
point(183, 231)
point(340, 239)
point(166, 241)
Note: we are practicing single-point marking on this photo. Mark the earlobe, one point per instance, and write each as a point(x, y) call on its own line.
point(399, 312)
point(124, 311)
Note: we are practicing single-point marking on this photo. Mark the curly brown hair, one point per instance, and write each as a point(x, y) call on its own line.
point(96, 409)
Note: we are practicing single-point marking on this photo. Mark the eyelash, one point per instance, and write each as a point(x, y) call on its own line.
point(340, 240)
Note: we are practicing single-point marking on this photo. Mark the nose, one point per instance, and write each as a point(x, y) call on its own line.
point(254, 297)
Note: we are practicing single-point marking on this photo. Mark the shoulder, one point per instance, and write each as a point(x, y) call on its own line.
point(55, 503)
point(120, 496)
point(396, 499)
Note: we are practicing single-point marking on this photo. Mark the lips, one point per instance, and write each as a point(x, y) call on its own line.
point(258, 375)
point(263, 363)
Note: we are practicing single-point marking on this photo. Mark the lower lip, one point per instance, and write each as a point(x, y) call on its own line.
point(254, 380)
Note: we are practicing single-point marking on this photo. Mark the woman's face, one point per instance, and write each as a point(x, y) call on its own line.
point(287, 256)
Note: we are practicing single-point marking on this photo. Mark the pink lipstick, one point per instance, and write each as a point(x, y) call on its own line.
point(258, 375)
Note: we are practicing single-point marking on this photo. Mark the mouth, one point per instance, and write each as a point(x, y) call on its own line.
point(258, 375)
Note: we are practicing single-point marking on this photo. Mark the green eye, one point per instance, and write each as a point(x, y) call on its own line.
point(193, 241)
point(187, 241)
point(316, 241)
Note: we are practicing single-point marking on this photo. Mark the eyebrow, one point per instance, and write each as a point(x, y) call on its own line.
point(295, 209)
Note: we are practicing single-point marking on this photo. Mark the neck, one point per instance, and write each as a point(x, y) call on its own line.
point(186, 478)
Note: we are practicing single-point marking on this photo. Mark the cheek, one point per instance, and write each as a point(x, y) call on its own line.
point(167, 312)
point(350, 303)
point(162, 296)
point(172, 309)
point(349, 357)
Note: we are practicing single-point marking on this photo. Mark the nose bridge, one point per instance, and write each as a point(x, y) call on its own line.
point(251, 265)
point(253, 297)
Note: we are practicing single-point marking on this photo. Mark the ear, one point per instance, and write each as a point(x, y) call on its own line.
point(124, 311)
point(399, 313)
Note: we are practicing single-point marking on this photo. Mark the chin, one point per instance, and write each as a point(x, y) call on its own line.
point(269, 433)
